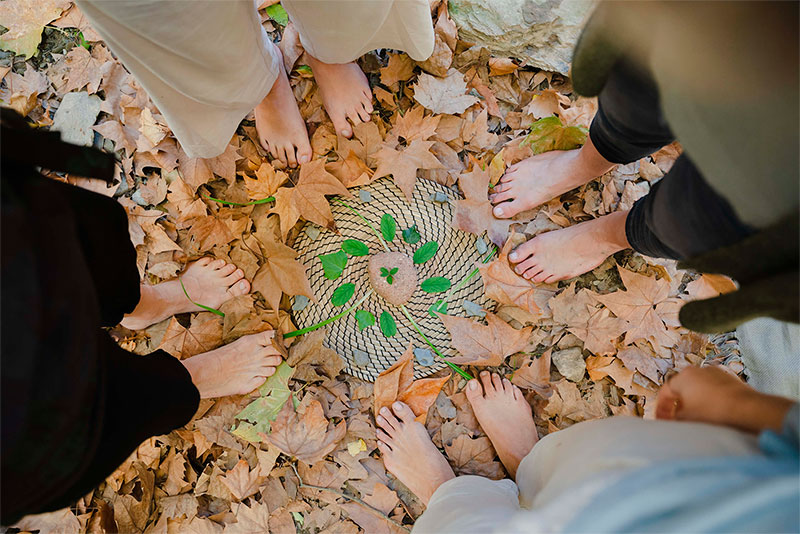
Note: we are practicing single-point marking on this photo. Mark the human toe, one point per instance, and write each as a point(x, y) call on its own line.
point(402, 411)
point(522, 252)
point(217, 264)
point(497, 382)
point(488, 387)
point(242, 287)
point(226, 270)
point(542, 276)
point(341, 125)
point(497, 198)
point(507, 210)
point(291, 160)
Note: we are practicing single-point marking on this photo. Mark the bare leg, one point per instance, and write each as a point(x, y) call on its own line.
point(571, 251)
point(505, 416)
point(345, 93)
point(538, 179)
point(280, 126)
point(208, 281)
point(409, 454)
point(236, 368)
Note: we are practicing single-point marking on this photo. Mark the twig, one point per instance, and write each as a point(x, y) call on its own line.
point(369, 508)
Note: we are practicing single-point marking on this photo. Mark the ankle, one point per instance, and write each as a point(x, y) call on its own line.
point(589, 164)
point(612, 231)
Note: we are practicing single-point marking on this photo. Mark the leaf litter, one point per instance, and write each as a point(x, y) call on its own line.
point(299, 454)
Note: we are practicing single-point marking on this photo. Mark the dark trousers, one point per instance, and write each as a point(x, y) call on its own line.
point(682, 216)
point(74, 404)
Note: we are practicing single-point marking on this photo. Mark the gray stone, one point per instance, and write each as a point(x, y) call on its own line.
point(481, 246)
point(570, 364)
point(360, 358)
point(312, 231)
point(542, 32)
point(472, 309)
point(424, 357)
point(365, 196)
point(438, 196)
point(445, 407)
point(300, 303)
point(75, 117)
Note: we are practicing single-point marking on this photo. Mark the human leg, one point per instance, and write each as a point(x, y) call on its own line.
point(207, 281)
point(628, 126)
point(204, 92)
point(334, 34)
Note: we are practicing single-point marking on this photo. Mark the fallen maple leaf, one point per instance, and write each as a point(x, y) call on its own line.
point(403, 164)
point(710, 285)
point(204, 334)
point(499, 66)
point(351, 171)
point(266, 182)
point(397, 383)
point(484, 344)
point(312, 360)
point(473, 456)
point(241, 480)
point(25, 21)
point(534, 374)
point(399, 69)
point(507, 287)
point(546, 104)
point(474, 213)
point(280, 273)
point(444, 95)
point(200, 171)
point(600, 332)
point(414, 125)
point(307, 198)
point(639, 305)
point(305, 434)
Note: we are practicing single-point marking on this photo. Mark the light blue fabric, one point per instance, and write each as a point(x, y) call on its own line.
point(760, 493)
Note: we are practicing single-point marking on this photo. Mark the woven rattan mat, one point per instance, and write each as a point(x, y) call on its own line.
point(456, 258)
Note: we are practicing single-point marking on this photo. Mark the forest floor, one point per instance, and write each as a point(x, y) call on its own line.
point(459, 114)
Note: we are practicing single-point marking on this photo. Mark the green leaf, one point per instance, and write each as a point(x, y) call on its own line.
point(388, 326)
point(549, 134)
point(390, 279)
point(411, 235)
point(364, 319)
point(384, 271)
point(440, 306)
point(305, 69)
point(426, 252)
point(257, 415)
point(278, 14)
point(394, 270)
point(354, 247)
point(333, 264)
point(388, 227)
point(437, 284)
point(343, 294)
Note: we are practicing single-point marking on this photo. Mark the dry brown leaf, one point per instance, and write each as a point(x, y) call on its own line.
point(351, 171)
point(474, 213)
point(242, 481)
point(280, 273)
point(307, 198)
point(24, 90)
point(414, 125)
point(473, 456)
point(397, 383)
point(266, 182)
point(481, 344)
point(507, 287)
point(399, 69)
point(25, 22)
point(546, 104)
point(444, 95)
point(498, 66)
point(200, 171)
point(305, 434)
point(534, 373)
point(709, 286)
point(312, 360)
point(403, 164)
point(203, 335)
point(252, 518)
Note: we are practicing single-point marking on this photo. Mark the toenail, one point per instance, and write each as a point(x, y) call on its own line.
point(304, 159)
point(473, 385)
point(243, 284)
point(381, 420)
point(397, 406)
point(498, 212)
point(485, 373)
point(513, 256)
point(385, 411)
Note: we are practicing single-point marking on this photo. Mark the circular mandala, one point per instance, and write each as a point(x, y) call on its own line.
point(368, 352)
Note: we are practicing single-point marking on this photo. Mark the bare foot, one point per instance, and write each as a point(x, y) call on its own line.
point(280, 127)
point(236, 368)
point(207, 281)
point(538, 179)
point(571, 251)
point(345, 93)
point(505, 416)
point(409, 454)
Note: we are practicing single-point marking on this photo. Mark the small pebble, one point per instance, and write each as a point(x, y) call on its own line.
point(472, 309)
point(300, 303)
point(312, 231)
point(439, 196)
point(365, 195)
point(424, 357)
point(361, 358)
point(445, 407)
point(481, 245)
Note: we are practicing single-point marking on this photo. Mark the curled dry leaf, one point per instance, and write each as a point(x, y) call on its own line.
point(499, 66)
point(488, 344)
point(397, 383)
point(266, 182)
point(403, 164)
point(507, 287)
point(474, 213)
point(305, 434)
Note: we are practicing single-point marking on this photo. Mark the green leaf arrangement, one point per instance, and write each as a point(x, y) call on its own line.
point(364, 319)
point(436, 284)
point(425, 252)
point(550, 134)
point(388, 324)
point(355, 248)
point(388, 227)
point(343, 294)
point(333, 264)
point(411, 235)
point(388, 274)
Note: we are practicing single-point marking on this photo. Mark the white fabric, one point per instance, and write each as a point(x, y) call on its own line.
point(771, 356)
point(207, 63)
point(566, 469)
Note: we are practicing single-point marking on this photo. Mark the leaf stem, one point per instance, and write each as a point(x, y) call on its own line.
point(374, 230)
point(329, 320)
point(230, 203)
point(453, 366)
point(207, 308)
